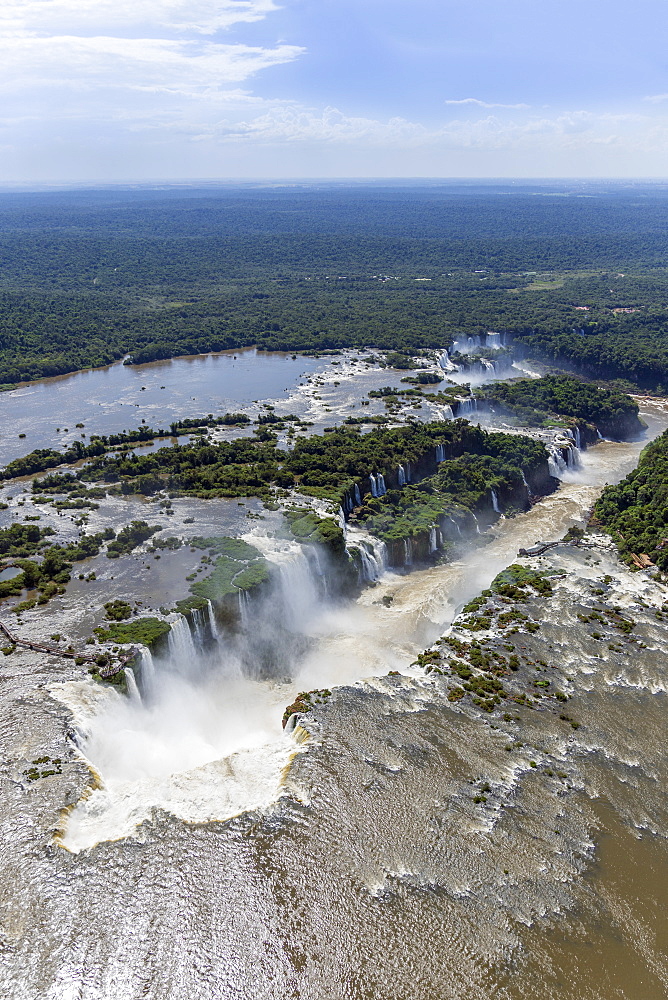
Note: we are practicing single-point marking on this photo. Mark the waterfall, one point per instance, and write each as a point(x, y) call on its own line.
point(446, 364)
point(477, 526)
point(133, 690)
point(493, 341)
point(374, 488)
point(199, 625)
point(488, 366)
point(495, 502)
point(146, 668)
point(380, 485)
point(456, 524)
point(299, 590)
point(578, 438)
point(181, 646)
point(440, 453)
point(600, 436)
point(433, 539)
point(244, 610)
point(213, 624)
point(555, 461)
point(358, 496)
point(472, 344)
point(401, 476)
point(408, 552)
point(373, 559)
point(341, 518)
point(446, 413)
point(467, 404)
point(524, 479)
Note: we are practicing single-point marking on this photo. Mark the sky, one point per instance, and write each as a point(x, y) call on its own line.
point(187, 90)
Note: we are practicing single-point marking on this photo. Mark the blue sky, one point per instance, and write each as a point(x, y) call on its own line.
point(105, 90)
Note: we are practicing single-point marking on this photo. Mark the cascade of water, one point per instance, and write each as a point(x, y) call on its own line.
point(440, 453)
point(487, 365)
point(465, 405)
point(493, 341)
point(382, 488)
point(578, 438)
point(199, 625)
point(181, 646)
point(146, 669)
point(373, 558)
point(495, 501)
point(245, 615)
point(408, 552)
point(573, 457)
point(358, 496)
point(446, 412)
point(433, 539)
point(213, 624)
point(446, 364)
point(374, 488)
point(524, 479)
point(477, 526)
point(299, 589)
point(456, 524)
point(599, 435)
point(133, 690)
point(341, 518)
point(401, 476)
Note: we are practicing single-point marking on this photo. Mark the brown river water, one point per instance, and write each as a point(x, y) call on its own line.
point(191, 849)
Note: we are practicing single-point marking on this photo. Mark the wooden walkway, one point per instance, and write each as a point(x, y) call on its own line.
point(39, 647)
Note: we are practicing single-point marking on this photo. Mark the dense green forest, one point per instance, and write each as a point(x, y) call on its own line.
point(537, 401)
point(635, 511)
point(89, 277)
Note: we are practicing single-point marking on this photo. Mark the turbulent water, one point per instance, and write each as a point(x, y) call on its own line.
point(191, 848)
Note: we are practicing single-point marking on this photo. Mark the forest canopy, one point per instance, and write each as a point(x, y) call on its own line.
point(87, 278)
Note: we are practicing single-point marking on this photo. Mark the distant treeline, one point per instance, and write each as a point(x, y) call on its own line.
point(87, 278)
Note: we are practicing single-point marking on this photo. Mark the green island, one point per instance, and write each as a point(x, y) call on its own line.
point(538, 402)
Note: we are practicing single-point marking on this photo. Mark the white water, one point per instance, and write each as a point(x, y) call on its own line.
point(133, 690)
point(210, 745)
point(181, 646)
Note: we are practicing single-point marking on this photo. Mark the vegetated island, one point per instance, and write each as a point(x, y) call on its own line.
point(541, 402)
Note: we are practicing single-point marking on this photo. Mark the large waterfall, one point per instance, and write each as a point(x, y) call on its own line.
point(181, 645)
point(377, 482)
point(564, 453)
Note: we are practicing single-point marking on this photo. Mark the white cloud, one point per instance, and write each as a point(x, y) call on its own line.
point(487, 104)
point(656, 98)
point(85, 17)
point(85, 64)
